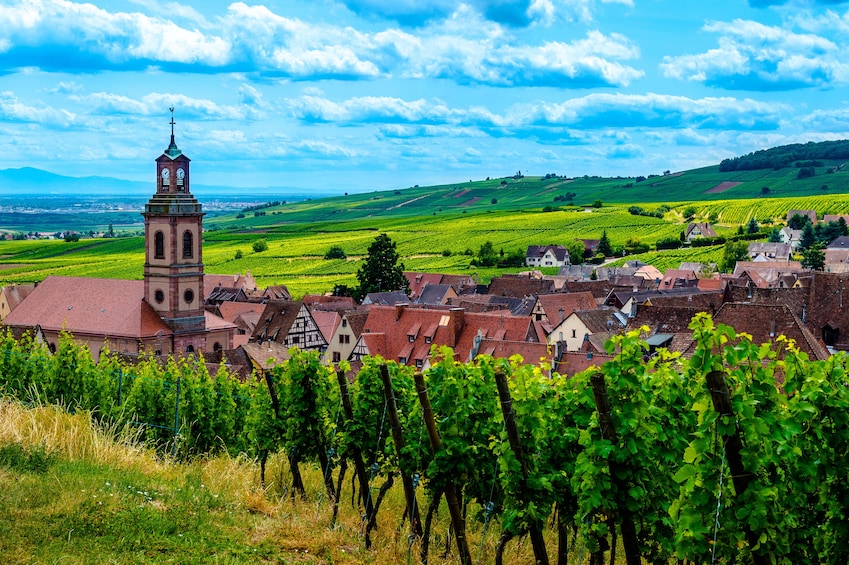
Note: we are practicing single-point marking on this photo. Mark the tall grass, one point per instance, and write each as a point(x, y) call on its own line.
point(96, 495)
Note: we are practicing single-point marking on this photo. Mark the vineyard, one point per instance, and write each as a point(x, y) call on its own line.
point(733, 455)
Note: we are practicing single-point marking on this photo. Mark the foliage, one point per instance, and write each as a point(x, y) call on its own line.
point(335, 252)
point(732, 252)
point(576, 250)
point(798, 221)
point(774, 235)
point(783, 156)
point(813, 257)
point(381, 271)
point(752, 226)
point(668, 243)
point(604, 248)
point(260, 245)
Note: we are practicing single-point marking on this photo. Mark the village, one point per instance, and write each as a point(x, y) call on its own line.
point(562, 321)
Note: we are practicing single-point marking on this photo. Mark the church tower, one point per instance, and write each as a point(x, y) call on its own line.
point(173, 266)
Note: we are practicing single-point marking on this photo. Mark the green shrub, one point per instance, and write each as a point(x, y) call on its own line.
point(260, 245)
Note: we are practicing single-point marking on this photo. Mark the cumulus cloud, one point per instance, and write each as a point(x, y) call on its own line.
point(155, 103)
point(13, 110)
point(594, 111)
point(469, 47)
point(754, 56)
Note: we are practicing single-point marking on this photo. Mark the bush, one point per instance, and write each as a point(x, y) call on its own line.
point(238, 254)
point(446, 253)
point(597, 204)
point(668, 243)
point(260, 245)
point(551, 209)
point(335, 252)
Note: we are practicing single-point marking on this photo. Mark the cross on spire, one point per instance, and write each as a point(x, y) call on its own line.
point(172, 150)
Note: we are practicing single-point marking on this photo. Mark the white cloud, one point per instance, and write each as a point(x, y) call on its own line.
point(754, 56)
point(13, 110)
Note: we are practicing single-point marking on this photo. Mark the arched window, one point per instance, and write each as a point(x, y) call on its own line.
point(216, 347)
point(159, 245)
point(188, 252)
point(190, 348)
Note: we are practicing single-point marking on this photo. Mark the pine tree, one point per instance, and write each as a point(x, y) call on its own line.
point(380, 271)
point(808, 238)
point(604, 246)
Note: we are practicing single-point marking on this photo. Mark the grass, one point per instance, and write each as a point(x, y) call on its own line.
point(72, 492)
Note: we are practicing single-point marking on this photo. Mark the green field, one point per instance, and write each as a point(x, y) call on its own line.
point(437, 228)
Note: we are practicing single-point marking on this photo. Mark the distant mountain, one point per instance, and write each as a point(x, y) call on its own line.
point(31, 181)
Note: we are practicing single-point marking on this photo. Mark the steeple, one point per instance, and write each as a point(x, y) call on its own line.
point(173, 150)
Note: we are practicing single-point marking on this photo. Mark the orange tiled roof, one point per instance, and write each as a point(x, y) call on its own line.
point(110, 307)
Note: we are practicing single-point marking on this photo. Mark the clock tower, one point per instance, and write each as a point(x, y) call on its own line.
point(173, 266)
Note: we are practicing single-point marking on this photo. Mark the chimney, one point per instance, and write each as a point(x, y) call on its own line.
point(457, 322)
point(562, 314)
point(399, 309)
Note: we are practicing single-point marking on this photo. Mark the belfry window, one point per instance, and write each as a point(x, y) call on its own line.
point(159, 245)
point(188, 251)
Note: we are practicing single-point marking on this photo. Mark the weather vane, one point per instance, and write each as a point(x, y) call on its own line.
point(171, 109)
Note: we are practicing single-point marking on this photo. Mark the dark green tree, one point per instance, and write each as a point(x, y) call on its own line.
point(576, 251)
point(604, 246)
point(335, 252)
point(732, 252)
point(753, 226)
point(774, 235)
point(808, 238)
point(381, 271)
point(798, 221)
point(813, 257)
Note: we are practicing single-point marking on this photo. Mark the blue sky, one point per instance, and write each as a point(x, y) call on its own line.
point(351, 95)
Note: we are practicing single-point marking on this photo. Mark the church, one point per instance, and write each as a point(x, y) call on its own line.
point(162, 314)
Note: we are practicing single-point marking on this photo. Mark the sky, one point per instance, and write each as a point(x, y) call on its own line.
point(356, 95)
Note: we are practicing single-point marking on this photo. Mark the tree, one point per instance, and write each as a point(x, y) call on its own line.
point(260, 245)
point(380, 271)
point(808, 238)
point(753, 226)
point(487, 256)
point(335, 252)
point(598, 204)
point(689, 213)
point(774, 235)
point(604, 246)
point(798, 221)
point(732, 252)
point(814, 258)
point(576, 251)
point(764, 190)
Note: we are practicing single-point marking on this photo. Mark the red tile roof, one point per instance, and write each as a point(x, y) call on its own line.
point(110, 307)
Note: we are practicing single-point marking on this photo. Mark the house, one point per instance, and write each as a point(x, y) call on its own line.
point(244, 282)
point(289, 323)
point(11, 296)
point(835, 218)
point(696, 230)
point(766, 274)
point(582, 325)
point(341, 343)
point(837, 252)
point(790, 236)
point(161, 314)
point(810, 214)
point(386, 298)
point(553, 308)
point(765, 251)
point(520, 286)
point(546, 256)
point(576, 272)
point(419, 280)
point(676, 278)
point(326, 303)
point(244, 315)
point(437, 294)
point(406, 334)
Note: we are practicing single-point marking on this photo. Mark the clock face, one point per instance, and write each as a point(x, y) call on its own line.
point(165, 173)
point(181, 173)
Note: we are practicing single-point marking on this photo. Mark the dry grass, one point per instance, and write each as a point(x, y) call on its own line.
point(109, 500)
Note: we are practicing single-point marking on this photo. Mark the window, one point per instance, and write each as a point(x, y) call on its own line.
point(190, 348)
point(428, 339)
point(419, 363)
point(337, 356)
point(573, 333)
point(344, 338)
point(344, 322)
point(159, 245)
point(402, 360)
point(189, 296)
point(412, 338)
point(159, 296)
point(216, 346)
point(296, 339)
point(188, 251)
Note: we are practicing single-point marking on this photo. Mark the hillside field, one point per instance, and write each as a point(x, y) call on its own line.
point(439, 229)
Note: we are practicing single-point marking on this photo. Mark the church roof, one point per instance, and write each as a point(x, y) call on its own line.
point(110, 307)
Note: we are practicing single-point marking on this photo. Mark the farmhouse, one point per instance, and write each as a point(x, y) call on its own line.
point(697, 230)
point(161, 314)
point(546, 256)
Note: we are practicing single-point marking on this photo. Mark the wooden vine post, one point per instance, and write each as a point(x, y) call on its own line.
point(721, 397)
point(398, 439)
point(537, 541)
point(450, 492)
point(629, 530)
point(297, 480)
point(357, 455)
